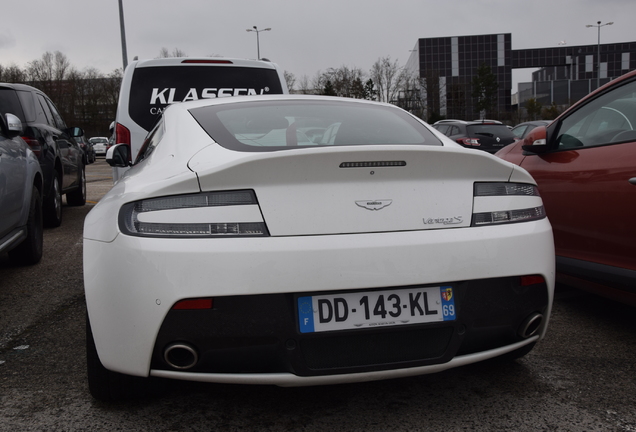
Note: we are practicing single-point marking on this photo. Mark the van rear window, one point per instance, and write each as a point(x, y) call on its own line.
point(154, 88)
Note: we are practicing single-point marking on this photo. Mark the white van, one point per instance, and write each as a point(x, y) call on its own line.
point(149, 86)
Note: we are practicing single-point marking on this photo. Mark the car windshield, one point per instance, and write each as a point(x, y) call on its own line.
point(277, 125)
point(99, 140)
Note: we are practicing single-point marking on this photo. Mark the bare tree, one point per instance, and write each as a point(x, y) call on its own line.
point(347, 82)
point(318, 82)
point(290, 80)
point(40, 70)
point(343, 82)
point(61, 66)
point(304, 87)
point(51, 74)
point(176, 52)
point(112, 83)
point(388, 78)
point(12, 74)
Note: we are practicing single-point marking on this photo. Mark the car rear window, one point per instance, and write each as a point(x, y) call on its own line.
point(490, 130)
point(278, 125)
point(154, 88)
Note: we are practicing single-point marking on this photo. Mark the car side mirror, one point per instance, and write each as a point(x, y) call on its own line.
point(536, 142)
point(118, 156)
point(14, 125)
point(76, 132)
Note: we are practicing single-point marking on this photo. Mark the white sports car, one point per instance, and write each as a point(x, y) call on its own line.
point(306, 240)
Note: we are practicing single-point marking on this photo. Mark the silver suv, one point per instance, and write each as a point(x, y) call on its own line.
point(20, 195)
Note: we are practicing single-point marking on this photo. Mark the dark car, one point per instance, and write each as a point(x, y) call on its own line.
point(87, 148)
point(61, 158)
point(487, 135)
point(523, 129)
point(20, 195)
point(585, 165)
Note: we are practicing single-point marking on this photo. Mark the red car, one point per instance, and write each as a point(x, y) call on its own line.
point(585, 165)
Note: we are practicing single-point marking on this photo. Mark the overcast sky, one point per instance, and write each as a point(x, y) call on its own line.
point(305, 37)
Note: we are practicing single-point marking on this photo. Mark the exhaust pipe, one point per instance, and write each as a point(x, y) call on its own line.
point(181, 356)
point(530, 325)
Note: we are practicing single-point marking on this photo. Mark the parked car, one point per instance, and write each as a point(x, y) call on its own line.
point(523, 129)
point(100, 145)
point(487, 135)
point(149, 86)
point(20, 195)
point(60, 157)
point(585, 165)
point(87, 148)
point(488, 121)
point(303, 240)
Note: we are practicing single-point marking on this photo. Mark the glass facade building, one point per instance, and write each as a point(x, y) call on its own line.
point(447, 67)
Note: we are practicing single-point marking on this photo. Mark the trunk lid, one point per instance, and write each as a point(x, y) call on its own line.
point(345, 190)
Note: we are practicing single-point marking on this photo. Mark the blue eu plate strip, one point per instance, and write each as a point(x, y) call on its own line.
point(305, 315)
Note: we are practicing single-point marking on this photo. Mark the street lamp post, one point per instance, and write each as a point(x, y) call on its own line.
point(258, 46)
point(598, 25)
point(124, 53)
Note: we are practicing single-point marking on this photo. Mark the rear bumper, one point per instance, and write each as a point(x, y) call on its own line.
point(131, 283)
point(260, 333)
point(291, 380)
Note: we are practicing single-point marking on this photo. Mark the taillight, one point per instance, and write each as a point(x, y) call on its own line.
point(193, 304)
point(469, 141)
point(122, 136)
point(34, 144)
point(501, 203)
point(206, 61)
point(532, 280)
point(202, 215)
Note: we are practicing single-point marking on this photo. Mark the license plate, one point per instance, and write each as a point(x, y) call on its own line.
point(375, 309)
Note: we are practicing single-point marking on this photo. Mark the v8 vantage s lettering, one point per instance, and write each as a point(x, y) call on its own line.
point(306, 240)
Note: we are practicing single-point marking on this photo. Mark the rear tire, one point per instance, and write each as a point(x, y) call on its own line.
point(30, 250)
point(78, 196)
point(107, 386)
point(53, 204)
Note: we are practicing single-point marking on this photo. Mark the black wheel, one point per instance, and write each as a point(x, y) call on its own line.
point(53, 204)
point(78, 196)
point(30, 250)
point(108, 386)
